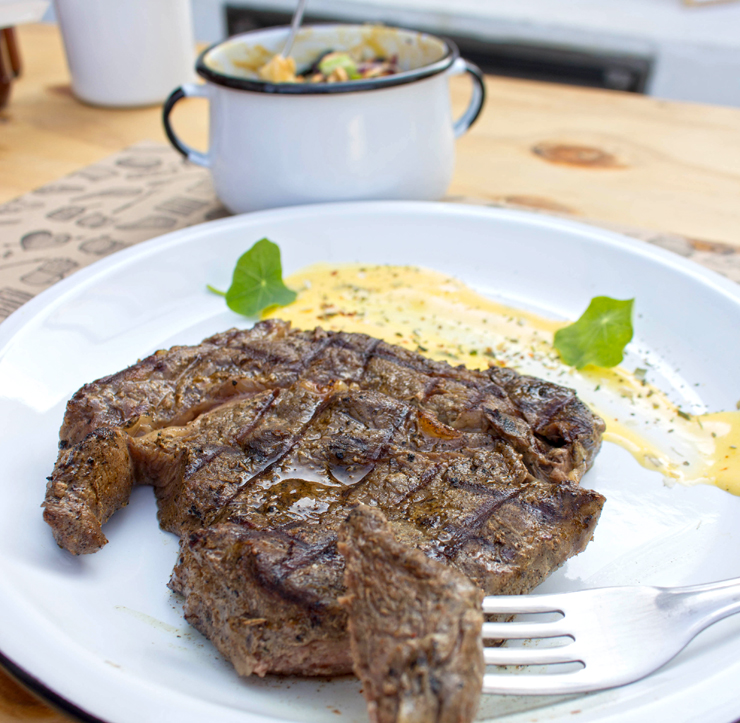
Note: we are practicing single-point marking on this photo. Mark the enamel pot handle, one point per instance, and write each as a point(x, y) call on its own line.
point(189, 90)
point(475, 106)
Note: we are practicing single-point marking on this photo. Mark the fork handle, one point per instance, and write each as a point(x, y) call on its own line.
point(703, 605)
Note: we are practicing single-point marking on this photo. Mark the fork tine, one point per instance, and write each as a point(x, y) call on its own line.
point(543, 684)
point(522, 604)
point(515, 631)
point(531, 656)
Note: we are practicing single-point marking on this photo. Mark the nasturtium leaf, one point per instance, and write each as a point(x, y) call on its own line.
point(599, 336)
point(258, 281)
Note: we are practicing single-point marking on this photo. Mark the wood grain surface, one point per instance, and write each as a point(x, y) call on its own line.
point(606, 156)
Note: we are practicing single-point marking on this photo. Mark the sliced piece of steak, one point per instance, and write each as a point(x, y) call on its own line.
point(414, 627)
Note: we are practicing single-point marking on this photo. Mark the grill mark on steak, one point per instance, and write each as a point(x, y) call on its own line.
point(206, 459)
point(226, 511)
point(424, 481)
point(298, 555)
point(379, 451)
point(302, 427)
point(274, 579)
point(309, 555)
point(470, 526)
point(423, 365)
point(346, 356)
point(370, 355)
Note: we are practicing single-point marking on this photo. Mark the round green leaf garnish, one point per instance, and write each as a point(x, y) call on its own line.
point(599, 336)
point(258, 281)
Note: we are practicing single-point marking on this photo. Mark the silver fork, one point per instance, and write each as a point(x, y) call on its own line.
point(618, 634)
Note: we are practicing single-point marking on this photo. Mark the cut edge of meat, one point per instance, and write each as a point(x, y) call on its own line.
point(89, 483)
point(414, 626)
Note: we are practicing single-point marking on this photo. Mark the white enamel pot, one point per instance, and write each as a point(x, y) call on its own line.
point(294, 143)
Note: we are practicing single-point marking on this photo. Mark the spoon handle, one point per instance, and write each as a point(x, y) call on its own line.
point(295, 23)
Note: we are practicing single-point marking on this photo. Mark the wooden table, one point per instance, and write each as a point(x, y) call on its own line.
point(606, 156)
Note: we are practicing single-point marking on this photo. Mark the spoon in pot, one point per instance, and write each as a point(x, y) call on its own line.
point(281, 68)
point(295, 23)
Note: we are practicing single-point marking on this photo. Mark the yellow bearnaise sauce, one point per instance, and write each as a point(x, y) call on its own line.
point(443, 319)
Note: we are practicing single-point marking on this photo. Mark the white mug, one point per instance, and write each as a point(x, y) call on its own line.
point(125, 53)
point(294, 143)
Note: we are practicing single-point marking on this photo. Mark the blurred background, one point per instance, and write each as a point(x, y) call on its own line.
point(677, 49)
point(563, 145)
point(667, 48)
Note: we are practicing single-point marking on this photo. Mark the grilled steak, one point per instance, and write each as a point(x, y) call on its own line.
point(258, 443)
point(414, 626)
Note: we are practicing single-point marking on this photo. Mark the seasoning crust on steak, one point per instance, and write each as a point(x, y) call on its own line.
point(259, 443)
point(414, 624)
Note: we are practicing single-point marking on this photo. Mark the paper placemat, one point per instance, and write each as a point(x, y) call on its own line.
point(142, 192)
point(148, 190)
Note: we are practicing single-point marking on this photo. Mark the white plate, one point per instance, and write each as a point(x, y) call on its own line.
point(103, 632)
